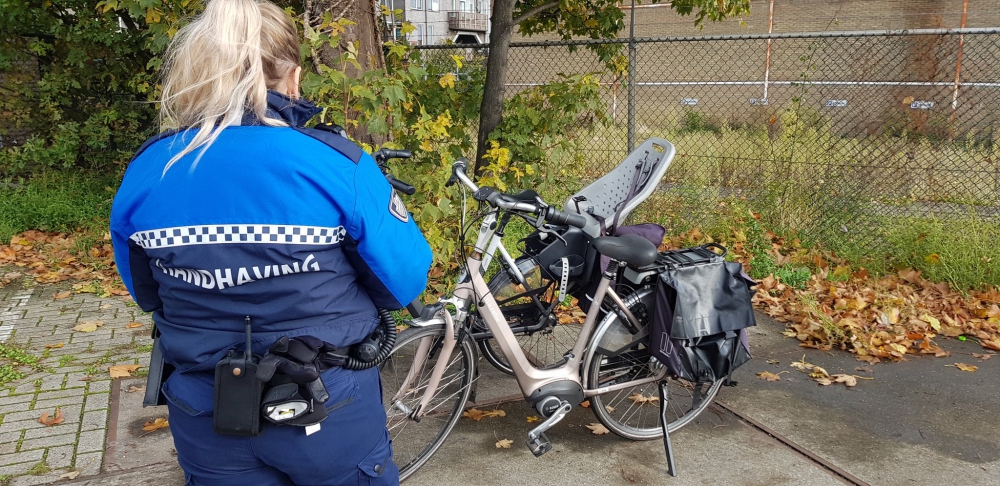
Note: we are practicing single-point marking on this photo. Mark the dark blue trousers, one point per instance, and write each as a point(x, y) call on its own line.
point(352, 446)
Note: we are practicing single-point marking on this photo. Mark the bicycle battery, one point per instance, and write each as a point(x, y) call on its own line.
point(237, 393)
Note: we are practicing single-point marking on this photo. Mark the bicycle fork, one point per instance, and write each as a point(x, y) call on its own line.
point(422, 353)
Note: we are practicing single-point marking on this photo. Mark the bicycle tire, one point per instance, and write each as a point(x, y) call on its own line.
point(634, 413)
point(543, 347)
point(411, 449)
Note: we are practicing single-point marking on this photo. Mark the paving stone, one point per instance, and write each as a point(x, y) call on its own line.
point(47, 478)
point(15, 399)
point(25, 388)
point(89, 464)
point(63, 428)
point(99, 386)
point(62, 403)
point(96, 401)
point(22, 457)
point(48, 441)
point(48, 395)
point(52, 382)
point(15, 469)
point(61, 456)
point(94, 420)
point(90, 441)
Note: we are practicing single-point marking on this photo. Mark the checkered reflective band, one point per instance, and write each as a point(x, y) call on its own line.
point(239, 233)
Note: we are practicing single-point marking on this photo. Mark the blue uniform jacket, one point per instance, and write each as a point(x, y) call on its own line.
point(295, 227)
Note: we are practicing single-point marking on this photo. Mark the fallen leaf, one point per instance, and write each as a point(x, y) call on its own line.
point(133, 325)
point(62, 295)
point(598, 429)
point(585, 404)
point(89, 326)
point(966, 367)
point(609, 408)
point(773, 361)
point(818, 372)
point(133, 389)
point(983, 357)
point(824, 381)
point(156, 424)
point(641, 399)
point(47, 420)
point(767, 375)
point(495, 413)
point(53, 346)
point(474, 414)
point(69, 475)
point(849, 380)
point(122, 371)
point(533, 419)
point(864, 369)
point(504, 444)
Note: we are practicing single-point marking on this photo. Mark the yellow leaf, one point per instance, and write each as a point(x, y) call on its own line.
point(533, 419)
point(426, 145)
point(157, 424)
point(62, 295)
point(641, 399)
point(818, 373)
point(933, 259)
point(495, 413)
point(936, 324)
point(474, 414)
point(133, 325)
point(598, 429)
point(152, 16)
point(458, 60)
point(122, 371)
point(504, 444)
point(447, 81)
point(767, 375)
point(53, 346)
point(966, 367)
point(89, 326)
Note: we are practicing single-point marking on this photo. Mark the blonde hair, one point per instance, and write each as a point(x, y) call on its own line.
point(221, 65)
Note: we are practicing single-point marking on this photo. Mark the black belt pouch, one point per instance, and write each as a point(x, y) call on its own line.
point(237, 396)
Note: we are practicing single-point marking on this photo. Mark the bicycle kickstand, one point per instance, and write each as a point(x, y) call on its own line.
point(671, 467)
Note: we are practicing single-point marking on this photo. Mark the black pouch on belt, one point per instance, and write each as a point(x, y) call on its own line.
point(237, 393)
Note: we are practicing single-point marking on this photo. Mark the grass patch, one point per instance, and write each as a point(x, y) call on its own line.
point(38, 469)
point(8, 374)
point(144, 348)
point(18, 356)
point(66, 359)
point(62, 201)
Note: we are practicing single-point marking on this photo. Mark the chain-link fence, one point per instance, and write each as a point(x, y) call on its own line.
point(833, 135)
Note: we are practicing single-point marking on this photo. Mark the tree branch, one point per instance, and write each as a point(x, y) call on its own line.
point(534, 11)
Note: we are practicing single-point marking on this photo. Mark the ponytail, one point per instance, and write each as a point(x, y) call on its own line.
point(221, 65)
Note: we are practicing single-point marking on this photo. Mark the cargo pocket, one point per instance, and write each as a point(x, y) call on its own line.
point(377, 468)
point(342, 386)
point(190, 394)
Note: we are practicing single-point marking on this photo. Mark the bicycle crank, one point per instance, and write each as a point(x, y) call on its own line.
point(538, 442)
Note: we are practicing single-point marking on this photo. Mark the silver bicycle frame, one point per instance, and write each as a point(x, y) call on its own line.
point(474, 289)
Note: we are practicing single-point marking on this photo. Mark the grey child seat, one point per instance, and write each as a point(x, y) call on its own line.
point(607, 202)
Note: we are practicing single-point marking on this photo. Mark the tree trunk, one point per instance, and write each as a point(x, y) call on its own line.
point(491, 109)
point(366, 37)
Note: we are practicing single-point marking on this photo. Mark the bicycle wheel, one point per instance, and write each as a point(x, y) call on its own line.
point(415, 442)
point(542, 346)
point(634, 413)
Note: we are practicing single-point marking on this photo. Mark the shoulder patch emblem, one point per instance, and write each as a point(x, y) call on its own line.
point(397, 208)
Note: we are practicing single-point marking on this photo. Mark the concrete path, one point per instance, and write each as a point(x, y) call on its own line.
point(916, 422)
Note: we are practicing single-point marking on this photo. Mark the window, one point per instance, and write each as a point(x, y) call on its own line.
point(420, 33)
point(435, 6)
point(430, 34)
point(417, 4)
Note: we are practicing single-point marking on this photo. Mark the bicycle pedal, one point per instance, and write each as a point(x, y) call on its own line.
point(540, 445)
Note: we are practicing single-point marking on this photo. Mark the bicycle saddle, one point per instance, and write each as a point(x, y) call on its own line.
point(631, 249)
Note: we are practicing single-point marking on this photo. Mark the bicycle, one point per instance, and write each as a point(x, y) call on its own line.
point(430, 375)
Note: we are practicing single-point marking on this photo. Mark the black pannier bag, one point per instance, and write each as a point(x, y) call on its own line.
point(701, 313)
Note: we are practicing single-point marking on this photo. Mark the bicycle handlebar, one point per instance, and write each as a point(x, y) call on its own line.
point(505, 201)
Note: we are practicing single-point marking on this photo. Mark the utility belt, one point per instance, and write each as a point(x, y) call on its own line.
point(283, 387)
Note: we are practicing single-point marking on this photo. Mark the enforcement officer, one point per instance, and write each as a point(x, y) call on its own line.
point(236, 210)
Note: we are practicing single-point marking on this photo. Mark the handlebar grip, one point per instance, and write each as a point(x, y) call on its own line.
point(459, 165)
point(556, 216)
point(403, 187)
point(397, 154)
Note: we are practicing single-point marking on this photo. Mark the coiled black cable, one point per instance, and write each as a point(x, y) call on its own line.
point(388, 324)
